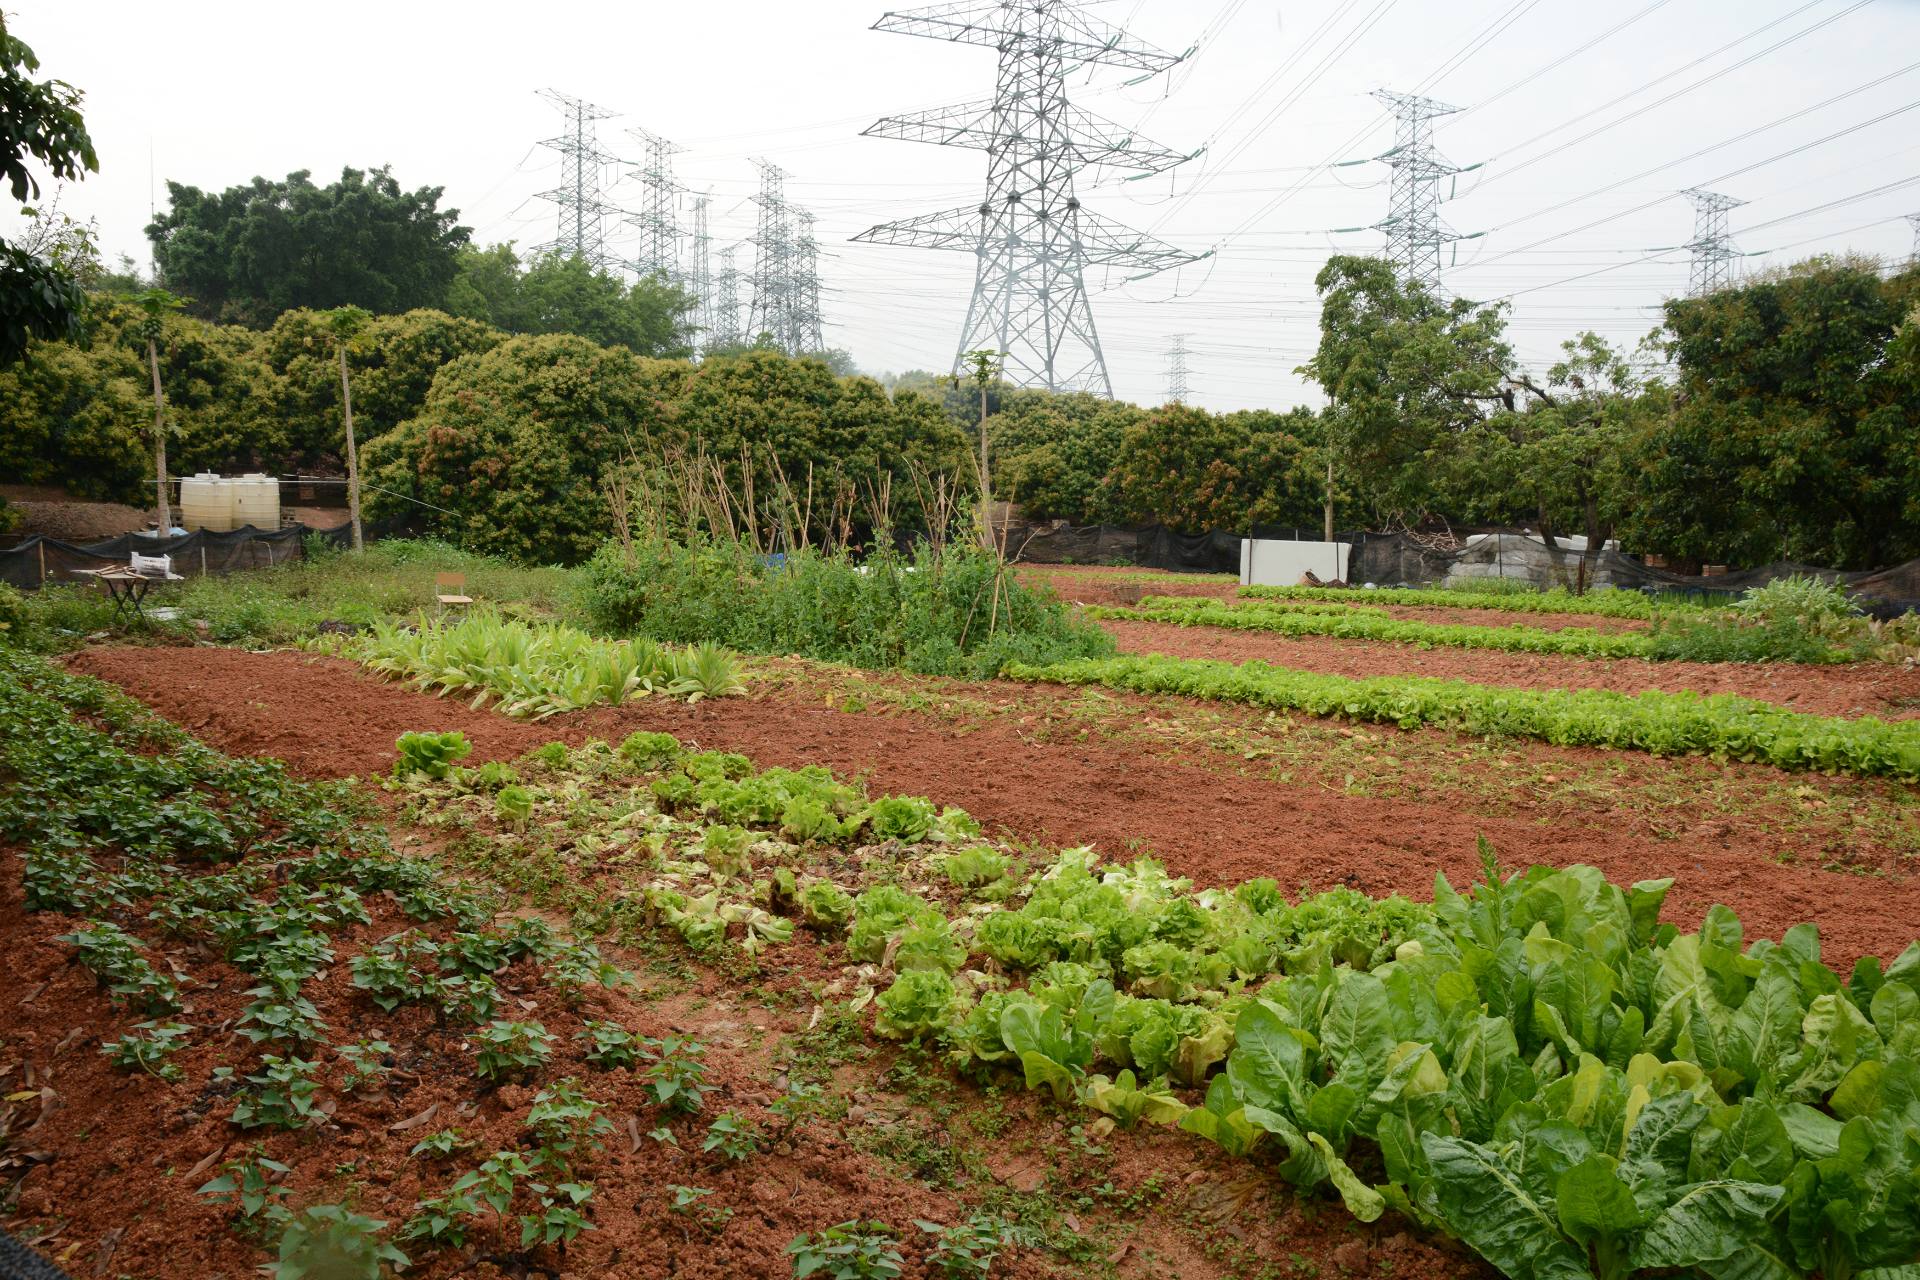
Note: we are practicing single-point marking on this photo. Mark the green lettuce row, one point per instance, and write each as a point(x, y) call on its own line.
point(1605, 604)
point(1541, 1070)
point(1372, 625)
point(1717, 725)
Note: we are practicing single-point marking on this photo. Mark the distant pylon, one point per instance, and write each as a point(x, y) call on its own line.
point(700, 275)
point(1914, 257)
point(1177, 369)
point(1413, 226)
point(1033, 241)
point(659, 230)
point(1712, 247)
point(809, 328)
point(583, 212)
point(726, 301)
point(786, 273)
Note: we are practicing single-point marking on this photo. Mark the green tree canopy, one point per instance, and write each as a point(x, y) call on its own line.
point(513, 445)
point(248, 253)
point(564, 294)
point(1195, 471)
point(1407, 374)
point(39, 120)
point(1793, 434)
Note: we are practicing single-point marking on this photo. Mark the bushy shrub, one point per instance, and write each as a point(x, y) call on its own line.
point(953, 613)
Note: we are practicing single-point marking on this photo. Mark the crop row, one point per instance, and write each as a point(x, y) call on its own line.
point(535, 669)
point(1374, 625)
point(1537, 1066)
point(1604, 604)
point(1717, 725)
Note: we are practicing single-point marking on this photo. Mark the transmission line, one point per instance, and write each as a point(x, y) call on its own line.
point(1508, 171)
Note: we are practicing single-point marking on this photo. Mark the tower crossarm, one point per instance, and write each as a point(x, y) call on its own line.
point(1099, 241)
point(1090, 141)
point(1078, 38)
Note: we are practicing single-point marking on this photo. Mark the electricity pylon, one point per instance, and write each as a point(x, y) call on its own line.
point(1177, 369)
point(725, 324)
point(659, 230)
point(583, 212)
point(700, 274)
point(1033, 241)
point(1711, 246)
point(1413, 226)
point(786, 277)
point(1914, 257)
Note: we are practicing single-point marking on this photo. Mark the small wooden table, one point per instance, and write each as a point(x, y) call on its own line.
point(128, 589)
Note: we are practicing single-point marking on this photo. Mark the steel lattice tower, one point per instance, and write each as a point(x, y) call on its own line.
point(726, 304)
point(1914, 257)
point(1413, 226)
point(808, 325)
point(583, 213)
point(1033, 241)
point(659, 252)
point(1177, 369)
point(771, 311)
point(700, 276)
point(786, 275)
point(1712, 247)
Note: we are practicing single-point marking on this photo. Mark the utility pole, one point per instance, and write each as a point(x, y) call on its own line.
point(583, 211)
point(1177, 369)
point(986, 365)
point(1713, 249)
point(1033, 241)
point(1413, 226)
point(659, 252)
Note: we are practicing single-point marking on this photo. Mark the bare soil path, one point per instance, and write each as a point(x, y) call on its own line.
point(1038, 774)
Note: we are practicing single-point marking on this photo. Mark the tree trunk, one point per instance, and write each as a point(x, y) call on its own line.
point(1596, 534)
point(160, 486)
point(1329, 496)
point(353, 453)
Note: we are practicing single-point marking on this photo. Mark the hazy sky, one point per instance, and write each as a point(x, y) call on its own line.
point(1576, 193)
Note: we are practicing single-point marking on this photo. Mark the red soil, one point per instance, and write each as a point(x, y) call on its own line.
point(1853, 689)
point(325, 719)
point(1116, 586)
point(112, 1162)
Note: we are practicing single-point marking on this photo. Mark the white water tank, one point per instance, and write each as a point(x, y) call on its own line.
point(206, 502)
point(256, 501)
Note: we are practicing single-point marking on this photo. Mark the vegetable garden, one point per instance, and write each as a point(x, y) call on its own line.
point(564, 940)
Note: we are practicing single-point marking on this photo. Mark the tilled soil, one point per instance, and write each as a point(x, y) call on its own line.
point(1881, 689)
point(328, 720)
point(1125, 587)
point(111, 1162)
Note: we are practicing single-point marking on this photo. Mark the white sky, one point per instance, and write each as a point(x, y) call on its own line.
point(219, 92)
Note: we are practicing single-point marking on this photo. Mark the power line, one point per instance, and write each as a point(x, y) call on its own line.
point(1508, 171)
point(1561, 61)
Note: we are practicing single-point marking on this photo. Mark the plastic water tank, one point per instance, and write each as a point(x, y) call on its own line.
point(206, 502)
point(256, 501)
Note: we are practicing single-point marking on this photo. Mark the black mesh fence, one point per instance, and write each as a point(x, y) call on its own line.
point(41, 561)
point(1398, 559)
